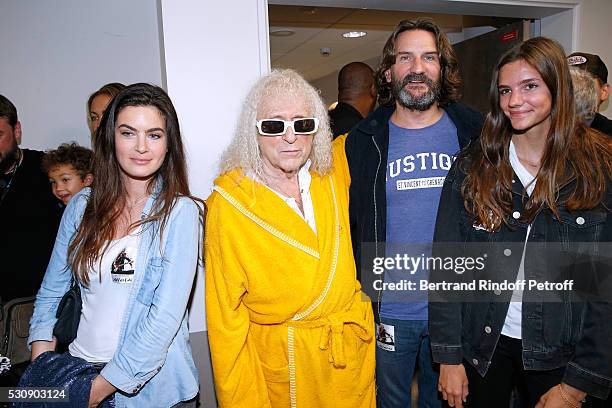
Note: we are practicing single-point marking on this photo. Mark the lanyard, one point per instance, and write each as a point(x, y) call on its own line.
point(7, 187)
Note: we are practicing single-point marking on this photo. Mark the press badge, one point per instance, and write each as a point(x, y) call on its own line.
point(122, 270)
point(385, 336)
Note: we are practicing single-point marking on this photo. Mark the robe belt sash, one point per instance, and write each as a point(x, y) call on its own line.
point(335, 327)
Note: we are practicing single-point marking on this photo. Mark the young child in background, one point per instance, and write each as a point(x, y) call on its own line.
point(69, 169)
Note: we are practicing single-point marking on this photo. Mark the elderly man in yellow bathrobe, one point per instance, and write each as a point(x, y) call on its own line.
point(288, 323)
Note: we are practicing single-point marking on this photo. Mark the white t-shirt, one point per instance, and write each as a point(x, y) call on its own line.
point(105, 300)
point(512, 324)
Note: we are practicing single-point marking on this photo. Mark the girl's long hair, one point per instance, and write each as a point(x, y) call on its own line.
point(572, 152)
point(108, 194)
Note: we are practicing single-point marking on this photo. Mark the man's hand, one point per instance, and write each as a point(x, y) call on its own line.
point(100, 389)
point(39, 347)
point(453, 384)
point(554, 399)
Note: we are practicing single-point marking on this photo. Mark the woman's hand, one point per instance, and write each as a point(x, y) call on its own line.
point(40, 346)
point(100, 389)
point(554, 398)
point(453, 384)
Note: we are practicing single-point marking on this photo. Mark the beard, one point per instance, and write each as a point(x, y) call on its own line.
point(9, 158)
point(420, 102)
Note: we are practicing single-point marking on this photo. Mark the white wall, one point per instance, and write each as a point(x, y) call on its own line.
point(211, 61)
point(56, 53)
point(559, 27)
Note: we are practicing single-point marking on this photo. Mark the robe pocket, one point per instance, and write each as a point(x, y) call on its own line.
point(356, 380)
point(150, 280)
point(275, 375)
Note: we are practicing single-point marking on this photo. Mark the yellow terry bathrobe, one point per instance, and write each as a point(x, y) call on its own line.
point(288, 324)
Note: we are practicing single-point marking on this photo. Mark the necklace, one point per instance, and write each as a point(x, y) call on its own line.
point(139, 200)
point(529, 163)
point(6, 185)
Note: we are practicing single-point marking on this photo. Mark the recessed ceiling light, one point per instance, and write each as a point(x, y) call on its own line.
point(282, 33)
point(354, 34)
point(309, 10)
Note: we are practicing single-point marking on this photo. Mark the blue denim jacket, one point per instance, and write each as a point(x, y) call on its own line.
point(153, 365)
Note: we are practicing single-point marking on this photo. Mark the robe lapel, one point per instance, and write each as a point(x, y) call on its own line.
point(324, 212)
point(269, 207)
point(328, 243)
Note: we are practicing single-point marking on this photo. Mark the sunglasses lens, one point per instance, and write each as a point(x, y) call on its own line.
point(273, 127)
point(304, 125)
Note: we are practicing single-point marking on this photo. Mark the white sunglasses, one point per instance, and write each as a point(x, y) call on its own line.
point(277, 127)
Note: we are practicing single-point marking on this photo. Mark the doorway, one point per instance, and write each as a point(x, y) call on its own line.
point(309, 37)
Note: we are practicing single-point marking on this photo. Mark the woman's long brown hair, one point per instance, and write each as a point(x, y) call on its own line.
point(572, 151)
point(108, 194)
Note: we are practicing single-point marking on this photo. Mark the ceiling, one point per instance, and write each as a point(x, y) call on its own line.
point(500, 8)
point(315, 28)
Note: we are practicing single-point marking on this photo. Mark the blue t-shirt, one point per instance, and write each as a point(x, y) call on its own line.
point(417, 163)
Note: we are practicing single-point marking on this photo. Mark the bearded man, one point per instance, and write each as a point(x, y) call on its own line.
point(398, 157)
point(29, 213)
point(29, 218)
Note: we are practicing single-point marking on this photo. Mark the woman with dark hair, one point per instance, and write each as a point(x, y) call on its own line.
point(132, 244)
point(97, 103)
point(534, 191)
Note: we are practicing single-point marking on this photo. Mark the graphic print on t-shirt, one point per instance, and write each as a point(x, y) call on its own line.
point(422, 162)
point(122, 269)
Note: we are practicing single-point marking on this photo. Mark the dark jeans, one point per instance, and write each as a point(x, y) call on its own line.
point(506, 372)
point(395, 369)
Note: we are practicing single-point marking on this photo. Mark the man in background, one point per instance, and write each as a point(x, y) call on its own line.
point(29, 213)
point(356, 97)
point(29, 219)
point(596, 67)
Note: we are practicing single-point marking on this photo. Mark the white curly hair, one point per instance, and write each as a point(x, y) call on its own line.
point(243, 152)
point(586, 96)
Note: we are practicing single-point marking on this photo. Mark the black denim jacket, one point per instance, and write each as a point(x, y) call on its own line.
point(573, 334)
